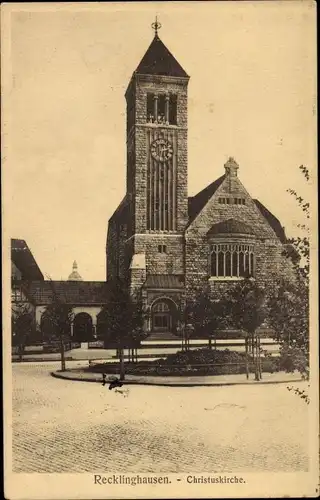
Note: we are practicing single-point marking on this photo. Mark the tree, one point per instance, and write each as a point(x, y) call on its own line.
point(123, 316)
point(204, 315)
point(57, 319)
point(289, 318)
point(245, 309)
point(289, 306)
point(22, 326)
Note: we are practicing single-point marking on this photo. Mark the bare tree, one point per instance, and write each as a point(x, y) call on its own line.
point(57, 318)
point(123, 316)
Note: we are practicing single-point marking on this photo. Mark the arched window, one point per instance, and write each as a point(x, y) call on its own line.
point(161, 307)
point(251, 270)
point(163, 318)
point(235, 264)
point(220, 264)
point(241, 264)
point(228, 264)
point(246, 263)
point(231, 260)
point(214, 264)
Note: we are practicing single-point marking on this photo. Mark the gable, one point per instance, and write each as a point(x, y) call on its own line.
point(196, 203)
point(228, 199)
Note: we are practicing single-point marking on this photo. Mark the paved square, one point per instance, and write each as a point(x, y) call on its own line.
point(66, 426)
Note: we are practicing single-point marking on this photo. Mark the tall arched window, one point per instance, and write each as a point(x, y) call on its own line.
point(241, 264)
point(231, 260)
point(220, 263)
point(246, 263)
point(251, 261)
point(228, 263)
point(214, 263)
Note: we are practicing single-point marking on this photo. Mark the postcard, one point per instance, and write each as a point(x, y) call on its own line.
point(159, 209)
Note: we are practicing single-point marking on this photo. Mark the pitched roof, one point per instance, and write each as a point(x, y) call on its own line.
point(231, 226)
point(273, 221)
point(165, 281)
point(121, 212)
point(70, 292)
point(24, 260)
point(158, 60)
point(196, 203)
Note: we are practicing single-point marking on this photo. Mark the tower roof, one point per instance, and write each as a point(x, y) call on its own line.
point(158, 60)
point(74, 276)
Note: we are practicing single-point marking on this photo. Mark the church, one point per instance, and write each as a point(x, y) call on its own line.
point(164, 244)
point(167, 245)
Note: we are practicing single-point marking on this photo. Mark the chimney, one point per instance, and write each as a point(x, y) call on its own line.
point(231, 168)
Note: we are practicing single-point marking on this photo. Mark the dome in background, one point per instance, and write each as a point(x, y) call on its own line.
point(75, 276)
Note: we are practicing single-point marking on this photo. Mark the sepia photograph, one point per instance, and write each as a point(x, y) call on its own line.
point(160, 252)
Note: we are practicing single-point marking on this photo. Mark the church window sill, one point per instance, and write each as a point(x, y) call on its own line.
point(161, 125)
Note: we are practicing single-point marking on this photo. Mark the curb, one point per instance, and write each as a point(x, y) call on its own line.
point(173, 384)
point(42, 360)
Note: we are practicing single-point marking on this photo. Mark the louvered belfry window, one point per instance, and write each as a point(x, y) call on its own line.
point(162, 109)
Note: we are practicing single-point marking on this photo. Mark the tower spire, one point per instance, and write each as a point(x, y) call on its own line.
point(156, 26)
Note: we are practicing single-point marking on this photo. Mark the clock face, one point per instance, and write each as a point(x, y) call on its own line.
point(161, 150)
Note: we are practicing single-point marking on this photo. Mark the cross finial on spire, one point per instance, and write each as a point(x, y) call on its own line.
point(156, 26)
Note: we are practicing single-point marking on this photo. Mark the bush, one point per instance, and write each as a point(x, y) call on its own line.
point(293, 358)
point(195, 362)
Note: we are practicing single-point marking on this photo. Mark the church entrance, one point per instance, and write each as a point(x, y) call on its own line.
point(163, 316)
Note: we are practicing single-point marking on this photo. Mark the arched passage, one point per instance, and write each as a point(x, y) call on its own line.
point(102, 327)
point(82, 327)
point(164, 316)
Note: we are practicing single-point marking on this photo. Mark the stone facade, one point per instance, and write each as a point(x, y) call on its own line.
point(222, 216)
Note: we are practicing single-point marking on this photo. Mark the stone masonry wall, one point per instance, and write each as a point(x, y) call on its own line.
point(117, 250)
point(143, 86)
point(171, 262)
point(269, 262)
point(122, 255)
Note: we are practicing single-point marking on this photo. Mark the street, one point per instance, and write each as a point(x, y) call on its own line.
point(68, 426)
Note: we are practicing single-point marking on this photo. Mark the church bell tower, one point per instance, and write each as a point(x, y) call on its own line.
point(157, 143)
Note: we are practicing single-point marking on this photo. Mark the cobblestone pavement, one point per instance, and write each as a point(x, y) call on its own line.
point(65, 426)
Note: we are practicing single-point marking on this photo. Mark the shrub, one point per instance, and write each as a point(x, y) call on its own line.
point(195, 362)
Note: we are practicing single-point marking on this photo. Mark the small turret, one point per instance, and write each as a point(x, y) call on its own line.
point(231, 167)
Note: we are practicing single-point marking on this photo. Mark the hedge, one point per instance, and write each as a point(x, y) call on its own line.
point(195, 362)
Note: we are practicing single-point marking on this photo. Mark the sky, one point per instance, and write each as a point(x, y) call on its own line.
point(252, 95)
